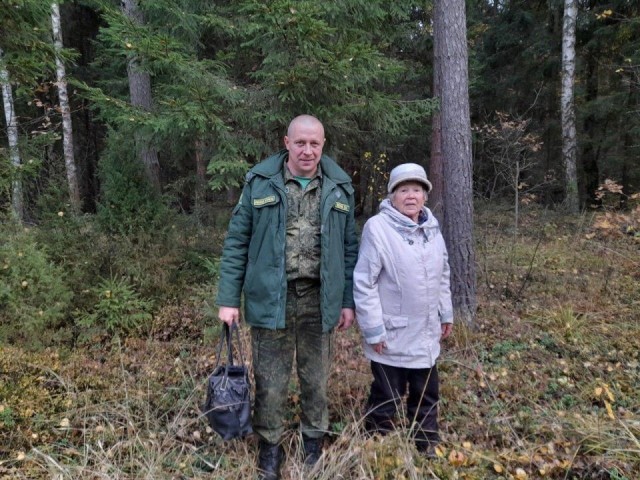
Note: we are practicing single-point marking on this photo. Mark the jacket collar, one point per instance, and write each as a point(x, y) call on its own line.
point(404, 224)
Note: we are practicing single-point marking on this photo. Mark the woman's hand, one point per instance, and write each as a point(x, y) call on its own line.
point(378, 347)
point(447, 328)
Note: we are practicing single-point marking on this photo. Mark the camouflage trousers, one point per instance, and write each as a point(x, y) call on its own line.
point(273, 356)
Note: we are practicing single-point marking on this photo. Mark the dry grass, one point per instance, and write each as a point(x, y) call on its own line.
point(546, 386)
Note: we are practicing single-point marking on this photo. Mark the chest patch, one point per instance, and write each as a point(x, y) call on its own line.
point(259, 202)
point(343, 207)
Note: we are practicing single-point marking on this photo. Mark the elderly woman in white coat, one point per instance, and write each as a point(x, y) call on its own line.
point(403, 306)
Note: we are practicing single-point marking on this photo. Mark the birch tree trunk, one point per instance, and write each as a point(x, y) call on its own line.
point(17, 201)
point(452, 71)
point(65, 111)
point(140, 94)
point(568, 113)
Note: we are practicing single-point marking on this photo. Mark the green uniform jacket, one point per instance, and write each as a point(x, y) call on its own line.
point(253, 258)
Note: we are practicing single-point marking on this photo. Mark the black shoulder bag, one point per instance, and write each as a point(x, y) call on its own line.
point(228, 403)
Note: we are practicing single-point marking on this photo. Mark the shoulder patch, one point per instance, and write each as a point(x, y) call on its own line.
point(343, 207)
point(259, 202)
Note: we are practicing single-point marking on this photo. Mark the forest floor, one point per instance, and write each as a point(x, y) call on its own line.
point(546, 384)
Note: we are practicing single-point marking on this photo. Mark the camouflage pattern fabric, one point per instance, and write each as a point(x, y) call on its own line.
point(303, 227)
point(273, 355)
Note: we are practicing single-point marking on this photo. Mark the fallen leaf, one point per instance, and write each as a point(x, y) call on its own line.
point(456, 458)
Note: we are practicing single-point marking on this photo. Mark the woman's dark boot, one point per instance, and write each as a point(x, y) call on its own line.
point(269, 460)
point(312, 450)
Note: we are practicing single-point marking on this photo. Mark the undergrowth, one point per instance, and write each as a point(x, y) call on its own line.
point(545, 385)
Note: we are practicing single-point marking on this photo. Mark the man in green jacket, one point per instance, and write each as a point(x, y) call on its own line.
point(291, 248)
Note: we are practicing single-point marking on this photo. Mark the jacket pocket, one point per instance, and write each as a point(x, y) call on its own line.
point(338, 219)
point(265, 223)
point(393, 322)
point(395, 326)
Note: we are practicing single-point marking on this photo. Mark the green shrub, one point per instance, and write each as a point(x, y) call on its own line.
point(79, 248)
point(118, 308)
point(7, 417)
point(128, 203)
point(33, 293)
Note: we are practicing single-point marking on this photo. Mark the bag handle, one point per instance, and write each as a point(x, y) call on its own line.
point(236, 328)
point(226, 337)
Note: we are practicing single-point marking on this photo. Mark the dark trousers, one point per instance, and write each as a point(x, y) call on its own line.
point(387, 391)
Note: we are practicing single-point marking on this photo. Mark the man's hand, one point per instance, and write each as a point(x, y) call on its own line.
point(346, 318)
point(379, 347)
point(229, 315)
point(447, 328)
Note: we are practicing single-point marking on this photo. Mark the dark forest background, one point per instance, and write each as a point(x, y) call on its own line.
point(226, 77)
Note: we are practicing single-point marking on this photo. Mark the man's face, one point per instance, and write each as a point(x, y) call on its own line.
point(304, 141)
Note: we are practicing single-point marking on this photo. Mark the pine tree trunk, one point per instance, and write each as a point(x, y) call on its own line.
point(569, 140)
point(436, 200)
point(140, 93)
point(17, 201)
point(67, 128)
point(452, 71)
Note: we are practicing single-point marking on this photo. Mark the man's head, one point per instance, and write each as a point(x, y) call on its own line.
point(304, 140)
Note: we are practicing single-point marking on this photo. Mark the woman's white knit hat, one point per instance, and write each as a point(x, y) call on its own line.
point(408, 172)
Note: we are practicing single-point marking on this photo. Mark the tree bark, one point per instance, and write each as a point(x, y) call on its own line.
point(65, 111)
point(436, 196)
point(17, 200)
point(140, 94)
point(452, 72)
point(568, 114)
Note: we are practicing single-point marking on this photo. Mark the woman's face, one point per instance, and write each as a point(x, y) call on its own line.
point(408, 198)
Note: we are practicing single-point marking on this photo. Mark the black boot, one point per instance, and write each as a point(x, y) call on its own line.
point(427, 446)
point(312, 450)
point(269, 460)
